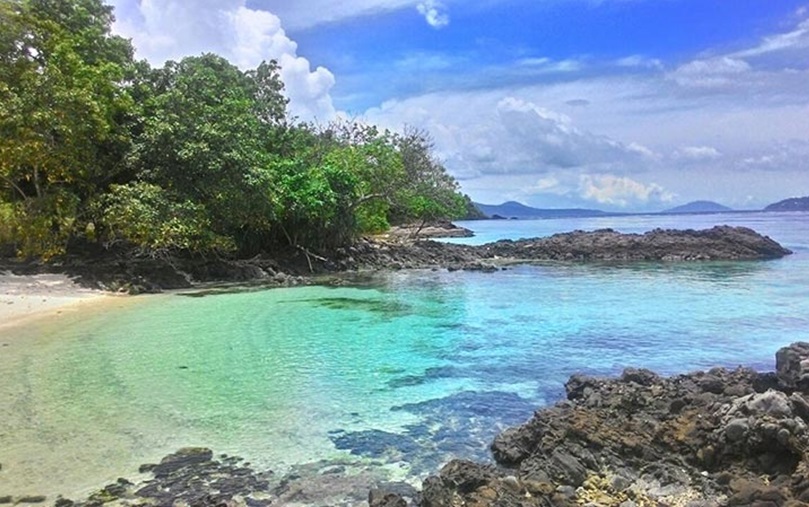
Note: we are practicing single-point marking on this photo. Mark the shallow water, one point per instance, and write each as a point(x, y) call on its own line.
point(407, 371)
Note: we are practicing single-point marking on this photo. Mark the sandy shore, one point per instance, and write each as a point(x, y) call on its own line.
point(25, 297)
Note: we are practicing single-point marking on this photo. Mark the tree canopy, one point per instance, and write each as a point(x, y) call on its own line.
point(197, 156)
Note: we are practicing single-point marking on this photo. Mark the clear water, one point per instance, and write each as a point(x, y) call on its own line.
point(403, 372)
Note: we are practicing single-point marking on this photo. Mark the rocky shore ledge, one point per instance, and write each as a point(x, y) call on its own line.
point(716, 438)
point(123, 272)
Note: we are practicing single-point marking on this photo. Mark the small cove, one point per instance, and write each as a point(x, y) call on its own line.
point(406, 371)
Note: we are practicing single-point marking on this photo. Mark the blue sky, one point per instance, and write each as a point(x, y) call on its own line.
point(614, 104)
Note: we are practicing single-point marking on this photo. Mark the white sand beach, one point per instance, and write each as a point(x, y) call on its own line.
point(24, 297)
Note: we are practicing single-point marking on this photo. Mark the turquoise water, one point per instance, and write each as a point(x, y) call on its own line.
point(403, 371)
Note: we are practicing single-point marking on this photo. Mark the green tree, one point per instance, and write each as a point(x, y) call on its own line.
point(203, 142)
point(430, 192)
point(62, 114)
point(147, 217)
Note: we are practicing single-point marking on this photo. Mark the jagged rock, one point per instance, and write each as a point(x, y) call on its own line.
point(792, 366)
point(128, 272)
point(381, 498)
point(701, 439)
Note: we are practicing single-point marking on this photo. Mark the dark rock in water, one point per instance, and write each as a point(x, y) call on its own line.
point(718, 243)
point(375, 443)
point(188, 456)
point(381, 498)
point(792, 366)
point(31, 499)
point(120, 271)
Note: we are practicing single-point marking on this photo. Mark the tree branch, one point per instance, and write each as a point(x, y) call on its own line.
point(16, 187)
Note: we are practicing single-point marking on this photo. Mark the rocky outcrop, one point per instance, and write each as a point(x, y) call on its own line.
point(718, 243)
point(294, 266)
point(194, 477)
point(721, 437)
point(436, 229)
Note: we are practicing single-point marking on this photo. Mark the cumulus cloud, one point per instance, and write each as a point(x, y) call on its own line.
point(434, 13)
point(164, 30)
point(621, 190)
point(542, 138)
point(585, 138)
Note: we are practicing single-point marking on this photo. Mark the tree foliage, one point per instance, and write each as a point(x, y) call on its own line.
point(197, 156)
point(61, 109)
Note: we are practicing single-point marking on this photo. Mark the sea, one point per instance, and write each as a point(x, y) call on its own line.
point(397, 372)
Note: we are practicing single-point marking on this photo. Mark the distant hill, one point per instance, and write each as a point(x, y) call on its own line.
point(793, 204)
point(699, 207)
point(512, 209)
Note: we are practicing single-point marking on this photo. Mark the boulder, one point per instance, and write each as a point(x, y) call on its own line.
point(381, 498)
point(792, 367)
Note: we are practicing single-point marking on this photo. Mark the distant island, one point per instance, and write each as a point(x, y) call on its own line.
point(698, 207)
point(792, 204)
point(513, 209)
point(517, 210)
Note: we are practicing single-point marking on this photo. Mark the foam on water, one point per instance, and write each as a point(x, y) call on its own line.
point(413, 368)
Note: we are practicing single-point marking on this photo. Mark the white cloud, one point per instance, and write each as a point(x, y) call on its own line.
point(535, 137)
point(164, 30)
point(299, 15)
point(546, 184)
point(621, 191)
point(639, 61)
point(697, 153)
point(548, 66)
point(777, 156)
point(434, 13)
point(795, 39)
point(710, 73)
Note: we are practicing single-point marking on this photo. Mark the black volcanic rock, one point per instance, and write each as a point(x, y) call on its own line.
point(718, 243)
point(706, 438)
point(296, 267)
point(793, 204)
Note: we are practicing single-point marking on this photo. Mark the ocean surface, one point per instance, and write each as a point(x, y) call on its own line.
point(400, 372)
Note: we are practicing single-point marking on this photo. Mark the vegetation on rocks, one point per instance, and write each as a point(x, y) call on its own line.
point(197, 157)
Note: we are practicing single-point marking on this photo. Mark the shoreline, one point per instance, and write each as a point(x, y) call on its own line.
point(714, 438)
point(117, 272)
point(30, 298)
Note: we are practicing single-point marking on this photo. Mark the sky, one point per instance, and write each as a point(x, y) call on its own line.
point(624, 105)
